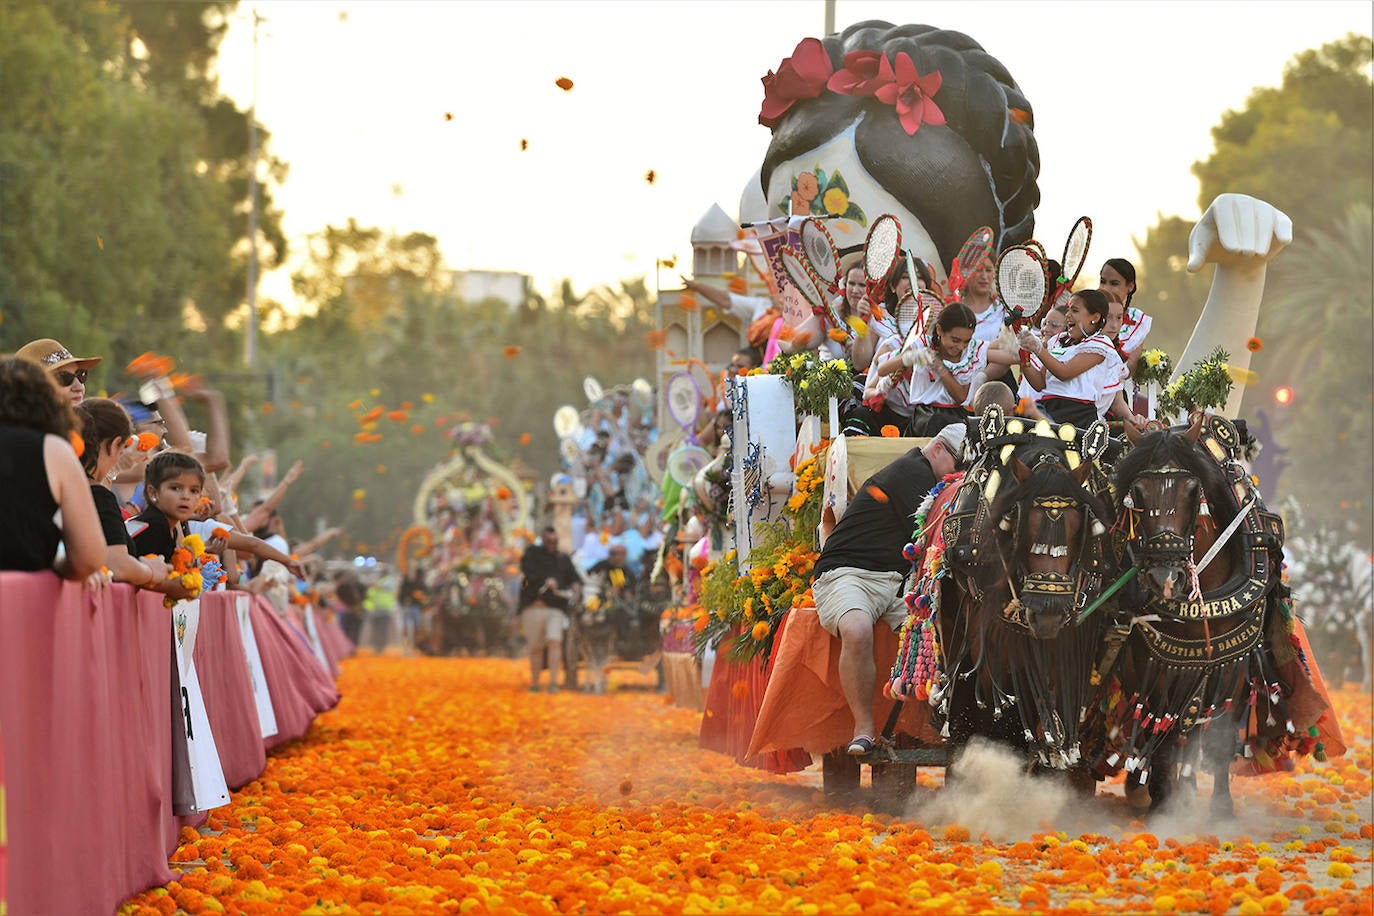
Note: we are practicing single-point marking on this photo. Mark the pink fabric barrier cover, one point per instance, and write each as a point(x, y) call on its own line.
point(300, 688)
point(222, 669)
point(85, 689)
point(336, 644)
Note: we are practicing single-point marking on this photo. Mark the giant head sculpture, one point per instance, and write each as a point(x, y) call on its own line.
point(911, 120)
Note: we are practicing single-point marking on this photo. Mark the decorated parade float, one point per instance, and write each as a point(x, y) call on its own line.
point(1103, 600)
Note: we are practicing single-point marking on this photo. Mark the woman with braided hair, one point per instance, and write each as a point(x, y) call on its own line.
point(911, 120)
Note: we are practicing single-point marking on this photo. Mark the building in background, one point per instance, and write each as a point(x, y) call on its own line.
point(505, 286)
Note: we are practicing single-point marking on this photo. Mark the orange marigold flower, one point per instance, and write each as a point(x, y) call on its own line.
point(656, 339)
point(687, 302)
point(738, 285)
point(761, 631)
point(510, 351)
point(526, 438)
point(418, 428)
point(373, 415)
point(1254, 345)
point(740, 689)
point(891, 432)
point(837, 334)
point(503, 493)
point(397, 416)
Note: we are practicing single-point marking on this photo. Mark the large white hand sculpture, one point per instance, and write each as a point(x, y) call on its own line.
point(1240, 235)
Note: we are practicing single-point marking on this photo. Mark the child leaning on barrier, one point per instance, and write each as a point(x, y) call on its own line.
point(173, 482)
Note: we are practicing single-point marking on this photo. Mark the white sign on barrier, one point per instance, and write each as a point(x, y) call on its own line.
point(312, 633)
point(207, 776)
point(762, 441)
point(257, 677)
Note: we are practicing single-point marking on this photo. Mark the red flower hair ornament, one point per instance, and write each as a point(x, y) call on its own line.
point(808, 72)
point(801, 76)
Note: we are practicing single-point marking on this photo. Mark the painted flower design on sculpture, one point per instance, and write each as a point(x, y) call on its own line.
point(801, 76)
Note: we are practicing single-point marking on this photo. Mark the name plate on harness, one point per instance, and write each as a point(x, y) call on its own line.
point(1202, 653)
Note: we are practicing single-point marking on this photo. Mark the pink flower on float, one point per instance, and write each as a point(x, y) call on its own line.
point(860, 75)
point(912, 93)
point(801, 76)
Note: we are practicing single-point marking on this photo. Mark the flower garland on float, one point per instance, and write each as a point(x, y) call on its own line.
point(743, 611)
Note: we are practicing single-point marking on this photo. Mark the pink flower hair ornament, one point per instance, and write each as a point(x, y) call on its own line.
point(809, 72)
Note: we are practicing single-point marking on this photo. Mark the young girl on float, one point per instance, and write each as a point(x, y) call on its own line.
point(1118, 401)
point(173, 482)
point(946, 368)
point(884, 400)
point(1074, 371)
point(1117, 280)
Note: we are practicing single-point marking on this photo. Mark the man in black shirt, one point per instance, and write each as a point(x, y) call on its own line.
point(859, 576)
point(546, 580)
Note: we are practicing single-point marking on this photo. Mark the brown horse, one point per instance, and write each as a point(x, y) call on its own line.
point(1194, 624)
point(1027, 548)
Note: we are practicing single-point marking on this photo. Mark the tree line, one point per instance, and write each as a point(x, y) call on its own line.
point(123, 228)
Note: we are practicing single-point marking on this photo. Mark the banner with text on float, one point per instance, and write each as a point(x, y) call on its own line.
point(790, 301)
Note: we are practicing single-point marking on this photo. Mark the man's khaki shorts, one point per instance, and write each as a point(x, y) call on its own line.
point(541, 623)
point(877, 594)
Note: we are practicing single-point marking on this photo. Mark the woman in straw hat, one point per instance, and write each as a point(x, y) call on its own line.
point(67, 371)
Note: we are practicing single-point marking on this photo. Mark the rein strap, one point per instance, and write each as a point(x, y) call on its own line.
point(1211, 554)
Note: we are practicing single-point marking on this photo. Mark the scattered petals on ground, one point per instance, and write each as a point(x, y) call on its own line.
point(442, 785)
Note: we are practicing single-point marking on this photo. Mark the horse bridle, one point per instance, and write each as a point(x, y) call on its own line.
point(1165, 546)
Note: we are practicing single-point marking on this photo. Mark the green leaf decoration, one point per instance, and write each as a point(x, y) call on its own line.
point(820, 178)
point(856, 213)
point(837, 181)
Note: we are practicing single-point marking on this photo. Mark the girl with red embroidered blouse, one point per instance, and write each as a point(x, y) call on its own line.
point(1117, 278)
point(1078, 368)
point(945, 370)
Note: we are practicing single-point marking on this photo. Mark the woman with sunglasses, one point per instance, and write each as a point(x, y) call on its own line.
point(67, 372)
point(39, 475)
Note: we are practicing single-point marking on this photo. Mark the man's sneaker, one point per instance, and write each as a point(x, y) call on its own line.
point(861, 746)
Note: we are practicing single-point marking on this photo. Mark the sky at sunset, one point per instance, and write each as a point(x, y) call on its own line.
point(356, 96)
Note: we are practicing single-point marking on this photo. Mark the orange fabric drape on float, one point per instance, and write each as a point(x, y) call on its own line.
point(804, 706)
point(732, 705)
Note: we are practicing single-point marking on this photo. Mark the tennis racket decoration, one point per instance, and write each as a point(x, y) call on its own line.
point(566, 422)
point(880, 254)
point(1038, 249)
point(1075, 251)
point(1023, 284)
point(971, 257)
point(685, 461)
point(569, 450)
point(642, 393)
point(819, 248)
point(682, 394)
point(812, 288)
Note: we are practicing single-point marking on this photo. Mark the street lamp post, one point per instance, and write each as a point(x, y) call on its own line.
point(250, 342)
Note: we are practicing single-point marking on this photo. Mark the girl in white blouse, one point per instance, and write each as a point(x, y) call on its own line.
point(946, 368)
point(1078, 373)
